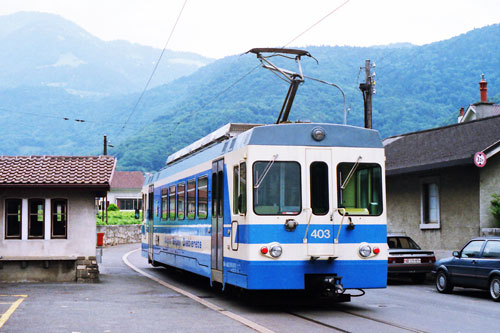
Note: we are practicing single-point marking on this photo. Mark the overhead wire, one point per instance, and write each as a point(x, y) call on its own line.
point(254, 68)
point(156, 66)
point(61, 117)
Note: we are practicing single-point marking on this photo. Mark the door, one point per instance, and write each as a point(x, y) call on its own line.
point(150, 222)
point(463, 269)
point(217, 219)
point(319, 192)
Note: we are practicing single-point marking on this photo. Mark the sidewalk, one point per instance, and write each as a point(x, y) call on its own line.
point(123, 301)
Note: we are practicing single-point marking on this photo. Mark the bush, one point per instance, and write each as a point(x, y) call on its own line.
point(113, 208)
point(495, 207)
point(119, 218)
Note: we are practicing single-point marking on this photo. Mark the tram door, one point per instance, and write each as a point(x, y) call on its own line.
point(217, 219)
point(150, 222)
point(320, 190)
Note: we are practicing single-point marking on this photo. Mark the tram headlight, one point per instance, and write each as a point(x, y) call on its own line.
point(276, 251)
point(365, 250)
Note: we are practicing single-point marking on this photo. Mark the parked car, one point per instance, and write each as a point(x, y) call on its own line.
point(477, 265)
point(406, 258)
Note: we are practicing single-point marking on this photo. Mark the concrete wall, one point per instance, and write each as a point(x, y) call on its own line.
point(120, 234)
point(458, 201)
point(81, 228)
point(490, 183)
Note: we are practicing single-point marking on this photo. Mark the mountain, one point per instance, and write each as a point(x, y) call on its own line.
point(62, 89)
point(417, 87)
point(38, 49)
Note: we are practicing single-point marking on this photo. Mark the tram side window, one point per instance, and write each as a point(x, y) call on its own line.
point(202, 197)
point(236, 191)
point(164, 204)
point(240, 189)
point(181, 200)
point(276, 188)
point(319, 188)
point(171, 203)
point(242, 200)
point(191, 199)
point(360, 188)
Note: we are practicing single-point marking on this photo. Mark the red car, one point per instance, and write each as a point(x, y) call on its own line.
point(407, 259)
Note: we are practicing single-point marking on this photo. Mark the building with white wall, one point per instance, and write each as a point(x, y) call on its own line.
point(48, 215)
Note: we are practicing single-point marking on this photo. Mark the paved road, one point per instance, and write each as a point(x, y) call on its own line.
point(126, 301)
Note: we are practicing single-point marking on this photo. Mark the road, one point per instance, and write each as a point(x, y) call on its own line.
point(127, 301)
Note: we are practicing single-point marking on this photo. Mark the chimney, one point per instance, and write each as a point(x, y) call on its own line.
point(483, 89)
point(462, 111)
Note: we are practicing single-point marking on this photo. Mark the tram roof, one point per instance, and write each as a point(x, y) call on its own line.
point(227, 131)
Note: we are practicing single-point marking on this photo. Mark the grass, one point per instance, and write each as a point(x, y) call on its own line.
point(118, 218)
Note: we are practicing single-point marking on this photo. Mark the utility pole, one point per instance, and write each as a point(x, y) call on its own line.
point(368, 89)
point(105, 149)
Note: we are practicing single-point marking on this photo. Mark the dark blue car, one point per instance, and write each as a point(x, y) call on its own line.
point(477, 265)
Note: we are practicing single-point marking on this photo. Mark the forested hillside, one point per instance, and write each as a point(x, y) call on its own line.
point(417, 87)
point(62, 89)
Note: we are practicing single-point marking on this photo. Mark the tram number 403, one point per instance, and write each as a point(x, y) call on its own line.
point(320, 233)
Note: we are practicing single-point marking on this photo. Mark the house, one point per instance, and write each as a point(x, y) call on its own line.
point(48, 216)
point(481, 109)
point(126, 189)
point(440, 181)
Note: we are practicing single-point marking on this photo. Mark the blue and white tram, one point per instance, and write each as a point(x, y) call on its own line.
point(287, 206)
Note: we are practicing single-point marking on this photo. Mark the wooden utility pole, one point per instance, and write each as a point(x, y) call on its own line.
point(105, 148)
point(367, 89)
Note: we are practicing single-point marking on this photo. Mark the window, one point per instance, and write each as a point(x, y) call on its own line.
point(492, 250)
point(202, 197)
point(143, 206)
point(240, 188)
point(319, 188)
point(36, 220)
point(429, 204)
point(151, 202)
point(59, 216)
point(181, 200)
point(171, 203)
point(13, 218)
point(129, 204)
point(402, 243)
point(472, 249)
point(164, 204)
point(360, 188)
point(236, 191)
point(276, 188)
point(243, 188)
point(191, 199)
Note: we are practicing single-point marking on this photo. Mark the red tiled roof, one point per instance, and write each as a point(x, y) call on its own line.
point(56, 170)
point(127, 179)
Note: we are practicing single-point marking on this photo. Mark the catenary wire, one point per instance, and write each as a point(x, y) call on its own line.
point(251, 70)
point(155, 67)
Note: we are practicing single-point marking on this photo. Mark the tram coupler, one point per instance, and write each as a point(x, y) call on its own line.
point(327, 287)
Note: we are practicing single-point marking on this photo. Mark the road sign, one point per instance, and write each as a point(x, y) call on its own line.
point(480, 159)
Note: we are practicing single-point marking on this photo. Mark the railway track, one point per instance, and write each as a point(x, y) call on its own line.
point(340, 329)
point(331, 317)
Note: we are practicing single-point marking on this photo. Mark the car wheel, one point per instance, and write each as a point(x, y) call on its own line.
point(495, 288)
point(443, 283)
point(418, 278)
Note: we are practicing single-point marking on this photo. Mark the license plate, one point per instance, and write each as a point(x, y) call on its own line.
point(412, 261)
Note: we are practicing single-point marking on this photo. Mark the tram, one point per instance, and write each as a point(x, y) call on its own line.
point(285, 206)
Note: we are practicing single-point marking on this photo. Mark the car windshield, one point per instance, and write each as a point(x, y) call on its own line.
point(402, 243)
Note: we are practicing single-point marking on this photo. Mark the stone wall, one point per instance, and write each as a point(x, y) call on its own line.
point(120, 234)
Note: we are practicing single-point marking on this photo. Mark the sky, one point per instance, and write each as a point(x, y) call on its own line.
point(218, 28)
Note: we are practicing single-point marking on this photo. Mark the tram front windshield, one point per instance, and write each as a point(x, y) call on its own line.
point(360, 188)
point(276, 188)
